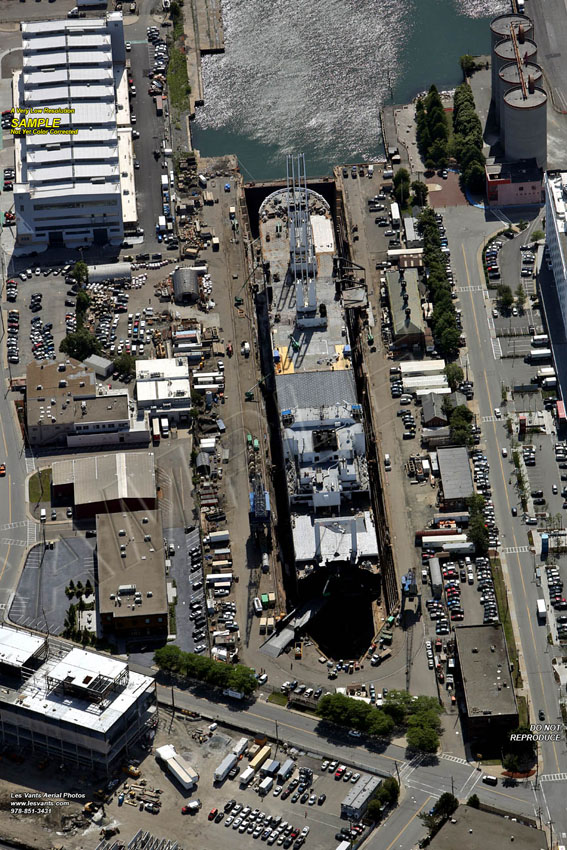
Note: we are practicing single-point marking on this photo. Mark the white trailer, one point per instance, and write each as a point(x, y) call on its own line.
point(179, 767)
point(225, 767)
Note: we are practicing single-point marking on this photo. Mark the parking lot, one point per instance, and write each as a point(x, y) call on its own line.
point(286, 810)
point(40, 596)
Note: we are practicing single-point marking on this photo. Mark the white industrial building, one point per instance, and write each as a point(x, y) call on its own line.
point(163, 387)
point(74, 706)
point(74, 189)
point(555, 184)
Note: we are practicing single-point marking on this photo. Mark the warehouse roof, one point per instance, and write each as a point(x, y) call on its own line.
point(455, 471)
point(143, 564)
point(485, 670)
point(102, 478)
point(315, 389)
point(403, 293)
point(468, 828)
point(186, 281)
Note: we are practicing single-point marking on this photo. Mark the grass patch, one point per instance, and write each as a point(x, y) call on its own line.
point(523, 712)
point(172, 619)
point(39, 488)
point(177, 80)
point(278, 699)
point(506, 620)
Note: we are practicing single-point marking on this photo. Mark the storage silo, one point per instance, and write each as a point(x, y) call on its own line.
point(524, 118)
point(504, 53)
point(509, 77)
point(500, 30)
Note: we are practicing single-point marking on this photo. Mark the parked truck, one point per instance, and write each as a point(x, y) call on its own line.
point(232, 694)
point(225, 767)
point(541, 611)
point(539, 355)
point(247, 776)
point(265, 786)
point(436, 579)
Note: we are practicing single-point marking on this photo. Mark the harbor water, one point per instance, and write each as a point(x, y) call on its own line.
point(312, 75)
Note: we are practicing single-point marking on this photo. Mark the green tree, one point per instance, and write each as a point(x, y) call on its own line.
point(449, 341)
point(511, 762)
point(81, 306)
point(505, 296)
point(454, 375)
point(402, 186)
point(420, 192)
point(80, 344)
point(475, 178)
point(423, 739)
point(468, 64)
point(520, 298)
point(473, 802)
point(446, 805)
point(537, 235)
point(125, 364)
point(81, 273)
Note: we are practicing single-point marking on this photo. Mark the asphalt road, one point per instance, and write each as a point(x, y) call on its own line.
point(518, 563)
point(423, 780)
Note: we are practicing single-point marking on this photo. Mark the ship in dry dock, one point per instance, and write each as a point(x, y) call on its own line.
point(319, 416)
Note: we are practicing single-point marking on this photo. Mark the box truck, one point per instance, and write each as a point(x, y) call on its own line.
point(247, 776)
point(265, 786)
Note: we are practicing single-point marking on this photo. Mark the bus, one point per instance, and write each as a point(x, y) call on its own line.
point(156, 436)
point(164, 426)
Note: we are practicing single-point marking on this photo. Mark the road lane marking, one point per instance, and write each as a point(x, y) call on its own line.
point(553, 777)
point(413, 817)
point(496, 348)
point(525, 599)
point(515, 550)
point(5, 563)
point(4, 439)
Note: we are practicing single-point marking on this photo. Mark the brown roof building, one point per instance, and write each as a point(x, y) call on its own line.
point(66, 405)
point(132, 594)
point(99, 484)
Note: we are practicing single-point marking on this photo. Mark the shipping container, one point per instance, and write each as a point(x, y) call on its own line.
point(225, 767)
point(259, 759)
point(286, 770)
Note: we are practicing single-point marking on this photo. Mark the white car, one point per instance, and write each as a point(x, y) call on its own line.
point(504, 452)
point(305, 831)
point(128, 46)
point(353, 733)
point(495, 312)
point(498, 413)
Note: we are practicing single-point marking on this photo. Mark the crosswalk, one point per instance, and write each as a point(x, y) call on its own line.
point(496, 348)
point(450, 757)
point(30, 463)
point(515, 550)
point(477, 288)
point(553, 777)
point(489, 419)
point(31, 533)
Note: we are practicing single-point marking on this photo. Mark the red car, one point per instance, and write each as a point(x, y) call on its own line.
point(213, 813)
point(2, 470)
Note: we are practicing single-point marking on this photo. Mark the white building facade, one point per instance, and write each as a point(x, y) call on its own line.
point(73, 189)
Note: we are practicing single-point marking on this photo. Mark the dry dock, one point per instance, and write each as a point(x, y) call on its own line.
point(204, 34)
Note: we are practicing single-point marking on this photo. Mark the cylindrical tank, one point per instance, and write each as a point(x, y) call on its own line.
point(500, 27)
point(509, 77)
point(499, 31)
point(525, 124)
point(504, 53)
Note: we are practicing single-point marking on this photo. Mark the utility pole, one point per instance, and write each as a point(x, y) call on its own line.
point(398, 773)
point(452, 787)
point(277, 738)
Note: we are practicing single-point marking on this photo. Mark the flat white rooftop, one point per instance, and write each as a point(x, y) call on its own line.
point(336, 538)
point(16, 646)
point(170, 368)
